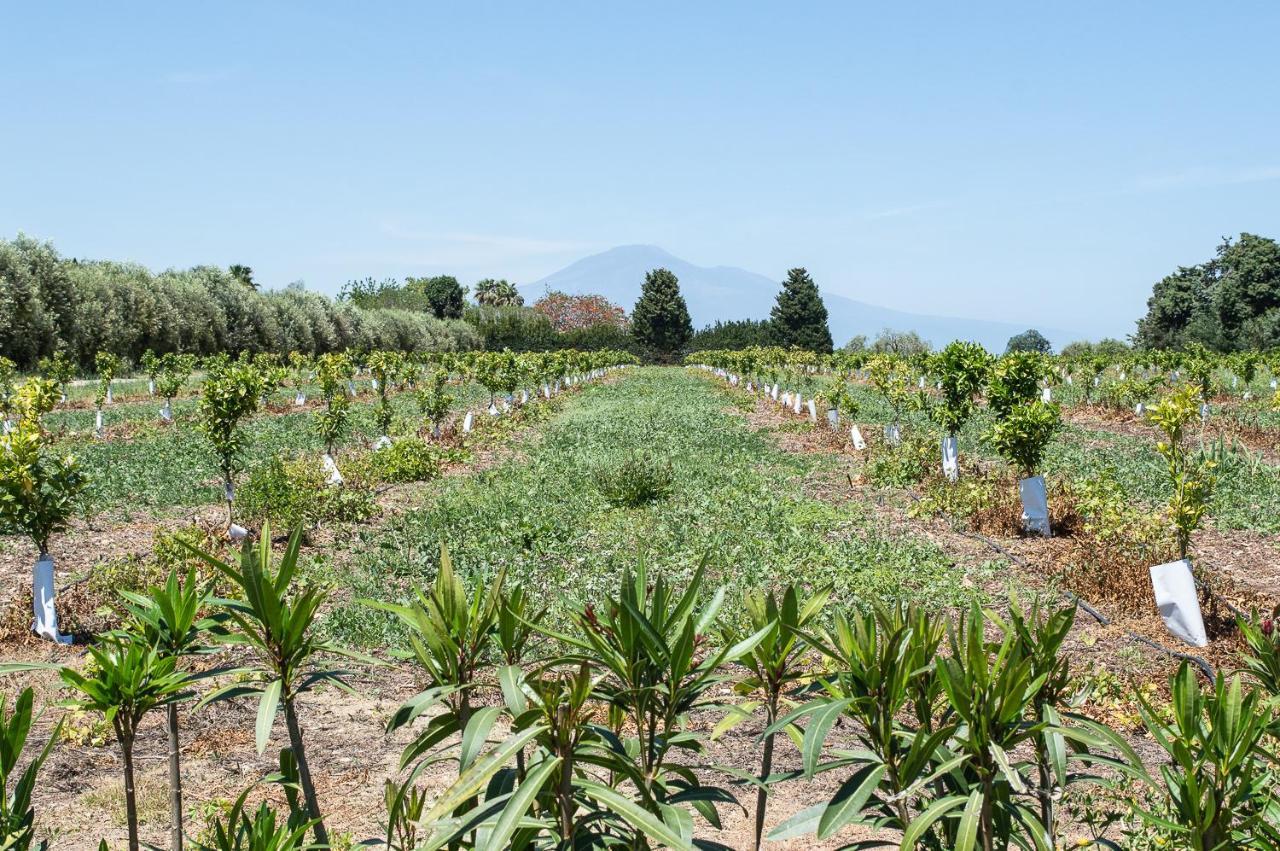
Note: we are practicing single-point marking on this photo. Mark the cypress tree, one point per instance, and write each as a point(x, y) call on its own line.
point(660, 321)
point(800, 318)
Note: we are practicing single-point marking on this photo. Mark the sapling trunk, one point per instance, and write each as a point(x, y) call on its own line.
point(175, 781)
point(304, 771)
point(766, 767)
point(130, 797)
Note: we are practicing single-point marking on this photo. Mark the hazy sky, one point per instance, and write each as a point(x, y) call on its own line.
point(973, 159)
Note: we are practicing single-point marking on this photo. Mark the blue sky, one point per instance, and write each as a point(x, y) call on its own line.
point(994, 160)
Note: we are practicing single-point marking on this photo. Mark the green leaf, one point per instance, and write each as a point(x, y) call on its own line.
point(267, 714)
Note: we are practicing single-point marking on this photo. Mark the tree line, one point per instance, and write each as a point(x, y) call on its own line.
point(51, 304)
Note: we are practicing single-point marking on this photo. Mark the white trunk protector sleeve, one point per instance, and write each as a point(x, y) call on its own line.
point(950, 458)
point(855, 434)
point(46, 622)
point(892, 434)
point(1035, 506)
point(467, 422)
point(331, 467)
point(1179, 605)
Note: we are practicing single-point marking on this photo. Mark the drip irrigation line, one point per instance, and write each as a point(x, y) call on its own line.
point(1199, 662)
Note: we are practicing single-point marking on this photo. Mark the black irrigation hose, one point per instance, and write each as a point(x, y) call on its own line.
point(1076, 599)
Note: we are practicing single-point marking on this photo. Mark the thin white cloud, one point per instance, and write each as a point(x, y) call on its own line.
point(1209, 176)
point(497, 244)
point(189, 78)
point(897, 212)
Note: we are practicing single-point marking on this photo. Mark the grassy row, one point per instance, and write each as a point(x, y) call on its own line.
point(735, 500)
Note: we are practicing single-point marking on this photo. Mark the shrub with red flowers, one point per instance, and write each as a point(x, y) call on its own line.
point(575, 312)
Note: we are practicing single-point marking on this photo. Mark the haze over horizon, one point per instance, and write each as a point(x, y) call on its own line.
point(1026, 165)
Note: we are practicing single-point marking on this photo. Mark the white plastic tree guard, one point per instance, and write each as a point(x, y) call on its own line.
point(237, 533)
point(1139, 409)
point(382, 442)
point(855, 434)
point(97, 424)
point(151, 387)
point(331, 467)
point(299, 399)
point(950, 457)
point(42, 594)
point(813, 411)
point(110, 399)
point(833, 418)
point(1046, 395)
point(467, 422)
point(1035, 506)
point(1204, 411)
point(166, 412)
point(493, 409)
point(892, 434)
point(1179, 605)
point(796, 403)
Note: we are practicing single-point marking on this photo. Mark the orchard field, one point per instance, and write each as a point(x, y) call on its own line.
point(482, 600)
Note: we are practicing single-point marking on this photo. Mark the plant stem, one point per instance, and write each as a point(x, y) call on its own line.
point(766, 766)
point(130, 796)
point(304, 771)
point(175, 781)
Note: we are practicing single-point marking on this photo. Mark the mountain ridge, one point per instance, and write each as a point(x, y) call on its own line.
point(728, 293)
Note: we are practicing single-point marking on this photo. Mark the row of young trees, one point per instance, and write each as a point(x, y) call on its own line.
point(40, 484)
point(947, 388)
point(966, 735)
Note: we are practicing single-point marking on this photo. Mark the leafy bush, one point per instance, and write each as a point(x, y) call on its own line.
point(295, 492)
point(900, 466)
point(1191, 476)
point(1022, 434)
point(634, 481)
point(406, 460)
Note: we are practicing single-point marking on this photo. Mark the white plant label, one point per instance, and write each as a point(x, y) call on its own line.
point(45, 624)
point(1174, 587)
point(855, 434)
point(950, 457)
point(1035, 506)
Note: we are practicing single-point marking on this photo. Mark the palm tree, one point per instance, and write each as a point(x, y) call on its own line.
point(495, 293)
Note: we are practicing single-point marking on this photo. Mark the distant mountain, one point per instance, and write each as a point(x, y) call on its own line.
point(725, 293)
